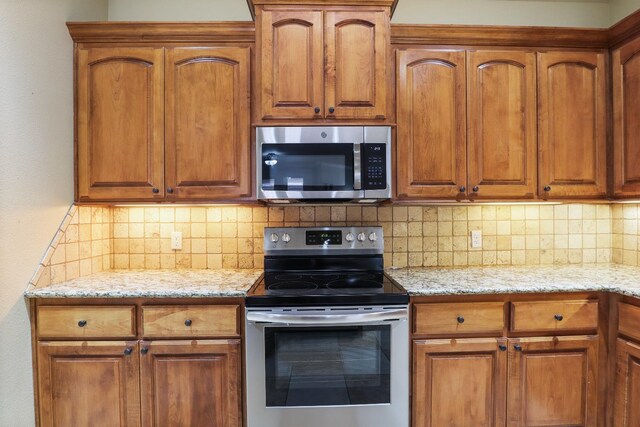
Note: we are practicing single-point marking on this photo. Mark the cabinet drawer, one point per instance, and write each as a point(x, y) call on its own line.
point(459, 318)
point(86, 322)
point(629, 320)
point(191, 321)
point(545, 316)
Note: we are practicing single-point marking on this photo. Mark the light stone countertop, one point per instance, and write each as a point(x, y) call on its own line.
point(622, 279)
point(153, 284)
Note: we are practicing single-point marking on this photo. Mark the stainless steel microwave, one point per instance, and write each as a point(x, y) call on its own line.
point(339, 163)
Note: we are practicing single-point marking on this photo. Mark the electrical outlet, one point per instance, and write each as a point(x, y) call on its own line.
point(176, 240)
point(476, 239)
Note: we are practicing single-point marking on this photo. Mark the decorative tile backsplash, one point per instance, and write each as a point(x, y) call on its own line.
point(93, 239)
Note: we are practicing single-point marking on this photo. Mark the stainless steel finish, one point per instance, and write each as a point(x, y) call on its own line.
point(373, 236)
point(310, 134)
point(357, 167)
point(395, 414)
point(349, 237)
point(286, 238)
point(274, 243)
point(326, 318)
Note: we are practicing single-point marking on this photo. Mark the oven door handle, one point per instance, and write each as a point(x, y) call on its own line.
point(327, 319)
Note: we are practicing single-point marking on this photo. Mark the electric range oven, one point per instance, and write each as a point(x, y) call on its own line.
point(327, 333)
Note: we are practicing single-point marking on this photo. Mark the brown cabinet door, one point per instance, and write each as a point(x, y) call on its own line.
point(572, 124)
point(459, 382)
point(626, 125)
point(627, 386)
point(431, 141)
point(553, 381)
point(502, 124)
point(191, 383)
point(90, 384)
point(357, 60)
point(291, 64)
point(120, 129)
point(207, 123)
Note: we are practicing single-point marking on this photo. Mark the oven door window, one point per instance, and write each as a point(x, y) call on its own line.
point(328, 366)
point(307, 167)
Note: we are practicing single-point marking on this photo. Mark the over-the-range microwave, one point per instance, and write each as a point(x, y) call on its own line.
point(323, 164)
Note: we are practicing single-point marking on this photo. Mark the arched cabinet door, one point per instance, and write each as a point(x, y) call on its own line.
point(431, 140)
point(207, 123)
point(120, 138)
point(502, 124)
point(291, 64)
point(626, 126)
point(572, 124)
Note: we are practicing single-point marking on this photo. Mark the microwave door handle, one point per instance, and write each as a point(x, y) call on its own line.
point(357, 167)
point(329, 319)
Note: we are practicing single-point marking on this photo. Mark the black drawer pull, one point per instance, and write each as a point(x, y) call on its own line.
point(558, 317)
point(188, 322)
point(82, 323)
point(460, 319)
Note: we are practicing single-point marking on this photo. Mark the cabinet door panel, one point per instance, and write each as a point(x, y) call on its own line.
point(459, 383)
point(502, 123)
point(357, 62)
point(191, 383)
point(207, 121)
point(627, 386)
point(120, 151)
point(88, 384)
point(290, 45)
point(572, 124)
point(626, 126)
point(553, 382)
point(431, 147)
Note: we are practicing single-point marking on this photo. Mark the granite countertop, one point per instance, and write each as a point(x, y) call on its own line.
point(622, 279)
point(153, 284)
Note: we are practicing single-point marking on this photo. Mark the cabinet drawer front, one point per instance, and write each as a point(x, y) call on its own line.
point(629, 320)
point(459, 318)
point(86, 322)
point(545, 316)
point(191, 321)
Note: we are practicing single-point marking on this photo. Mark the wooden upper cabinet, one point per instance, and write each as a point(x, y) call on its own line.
point(626, 125)
point(357, 57)
point(502, 124)
point(572, 124)
point(291, 63)
point(120, 129)
point(207, 123)
point(431, 140)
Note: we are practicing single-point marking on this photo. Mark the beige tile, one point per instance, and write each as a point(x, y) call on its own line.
point(503, 213)
point(489, 258)
point(560, 212)
point(400, 213)
point(120, 215)
point(503, 243)
point(518, 257)
point(291, 214)
point(400, 244)
point(460, 228)
point(415, 244)
point(575, 256)
point(354, 214)
point(183, 260)
point(589, 256)
point(415, 259)
point(518, 242)
point(430, 214)
point(575, 211)
point(561, 226)
point(503, 227)
point(258, 229)
point(85, 267)
point(84, 231)
point(474, 258)
point(445, 214)
point(58, 256)
point(230, 213)
point(445, 243)
point(198, 261)
point(546, 212)
point(199, 246)
point(199, 230)
point(370, 214)
point(460, 243)
point(214, 229)
point(603, 241)
point(136, 261)
point(400, 259)
point(259, 214)
point(245, 261)
point(414, 229)
point(517, 213)
point(561, 256)
point(387, 229)
point(430, 244)
point(547, 256)
point(72, 252)
point(121, 261)
point(430, 259)
point(630, 212)
point(167, 261)
point(151, 215)
point(429, 228)
point(489, 227)
point(445, 259)
point(589, 241)
point(71, 235)
point(96, 231)
point(151, 246)
point(245, 246)
point(72, 270)
point(630, 242)
point(575, 226)
point(258, 261)
point(489, 243)
point(385, 214)
point(245, 214)
point(460, 259)
point(84, 250)
point(229, 229)
point(503, 257)
point(400, 229)
point(561, 242)
point(532, 257)
point(307, 213)
point(245, 229)
point(136, 230)
point(532, 212)
point(518, 227)
point(136, 246)
point(603, 255)
point(229, 246)
point(414, 213)
point(151, 230)
point(58, 273)
point(445, 228)
point(546, 226)
point(532, 227)
point(338, 213)
point(589, 212)
point(214, 261)
point(532, 242)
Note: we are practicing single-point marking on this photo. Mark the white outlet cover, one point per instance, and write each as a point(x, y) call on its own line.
point(476, 239)
point(176, 240)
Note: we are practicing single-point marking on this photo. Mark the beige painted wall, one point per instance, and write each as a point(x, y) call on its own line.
point(184, 10)
point(622, 8)
point(36, 168)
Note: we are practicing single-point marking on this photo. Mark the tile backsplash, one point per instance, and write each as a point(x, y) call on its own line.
point(93, 239)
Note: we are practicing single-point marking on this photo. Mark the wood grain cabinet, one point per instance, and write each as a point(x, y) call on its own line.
point(627, 384)
point(466, 124)
point(318, 63)
point(626, 126)
point(128, 97)
point(572, 124)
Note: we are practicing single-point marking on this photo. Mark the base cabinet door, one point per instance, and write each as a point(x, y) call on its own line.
point(627, 385)
point(459, 382)
point(88, 384)
point(191, 383)
point(553, 382)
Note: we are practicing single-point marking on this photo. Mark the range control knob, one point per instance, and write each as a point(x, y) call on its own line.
point(274, 237)
point(350, 237)
point(286, 238)
point(373, 236)
point(361, 237)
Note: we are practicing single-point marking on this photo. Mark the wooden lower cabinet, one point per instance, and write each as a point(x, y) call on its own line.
point(627, 385)
point(89, 384)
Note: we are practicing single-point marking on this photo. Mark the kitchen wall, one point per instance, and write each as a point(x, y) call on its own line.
point(626, 234)
point(622, 8)
point(36, 168)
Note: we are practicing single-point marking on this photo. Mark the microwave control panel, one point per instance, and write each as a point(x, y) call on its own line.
point(374, 169)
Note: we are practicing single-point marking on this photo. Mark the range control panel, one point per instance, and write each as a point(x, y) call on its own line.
point(374, 168)
point(324, 239)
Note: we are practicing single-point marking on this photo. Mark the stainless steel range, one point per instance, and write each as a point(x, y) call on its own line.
point(327, 333)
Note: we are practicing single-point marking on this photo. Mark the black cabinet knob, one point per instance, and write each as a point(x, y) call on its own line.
point(316, 110)
point(517, 347)
point(128, 351)
point(502, 347)
point(331, 110)
point(547, 188)
point(155, 191)
point(462, 189)
point(170, 190)
point(558, 317)
point(476, 189)
point(460, 319)
point(188, 322)
point(144, 350)
point(82, 323)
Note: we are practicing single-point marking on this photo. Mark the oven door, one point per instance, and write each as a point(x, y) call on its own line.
point(319, 367)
